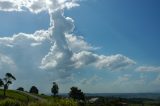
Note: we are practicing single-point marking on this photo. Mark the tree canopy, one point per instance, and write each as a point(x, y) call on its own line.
point(20, 89)
point(76, 93)
point(54, 89)
point(34, 90)
point(6, 81)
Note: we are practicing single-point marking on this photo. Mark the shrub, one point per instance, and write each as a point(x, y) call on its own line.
point(20, 89)
point(34, 89)
point(76, 94)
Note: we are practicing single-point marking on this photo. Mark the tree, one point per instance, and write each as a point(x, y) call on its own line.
point(6, 81)
point(20, 89)
point(1, 83)
point(76, 94)
point(34, 90)
point(54, 89)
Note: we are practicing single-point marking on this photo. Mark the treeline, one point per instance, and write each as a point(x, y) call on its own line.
point(74, 93)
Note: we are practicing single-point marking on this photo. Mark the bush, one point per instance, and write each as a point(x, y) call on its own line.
point(76, 94)
point(34, 90)
point(10, 102)
point(20, 89)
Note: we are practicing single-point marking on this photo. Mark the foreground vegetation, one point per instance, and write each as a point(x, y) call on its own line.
point(53, 102)
point(15, 95)
point(15, 98)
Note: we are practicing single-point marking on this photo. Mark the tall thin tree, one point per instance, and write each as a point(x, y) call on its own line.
point(6, 81)
point(55, 89)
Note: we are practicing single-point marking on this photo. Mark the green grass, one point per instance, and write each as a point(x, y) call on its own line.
point(10, 102)
point(17, 96)
point(44, 96)
point(55, 102)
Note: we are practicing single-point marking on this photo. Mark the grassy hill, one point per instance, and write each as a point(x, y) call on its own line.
point(12, 94)
point(15, 98)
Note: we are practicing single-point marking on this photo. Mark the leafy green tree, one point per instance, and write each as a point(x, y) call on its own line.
point(6, 81)
point(54, 89)
point(34, 90)
point(76, 94)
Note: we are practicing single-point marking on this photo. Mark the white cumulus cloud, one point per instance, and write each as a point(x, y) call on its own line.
point(9, 5)
point(78, 43)
point(148, 69)
point(56, 49)
point(114, 62)
point(36, 6)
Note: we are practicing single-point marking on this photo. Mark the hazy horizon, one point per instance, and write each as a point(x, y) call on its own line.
point(97, 45)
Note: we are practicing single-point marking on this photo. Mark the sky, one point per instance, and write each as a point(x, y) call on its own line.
point(100, 46)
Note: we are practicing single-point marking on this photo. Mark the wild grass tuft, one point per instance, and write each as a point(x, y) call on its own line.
point(10, 102)
point(55, 102)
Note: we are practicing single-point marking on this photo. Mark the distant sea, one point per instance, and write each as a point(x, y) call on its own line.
point(124, 95)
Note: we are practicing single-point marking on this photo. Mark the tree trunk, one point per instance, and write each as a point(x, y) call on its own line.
point(4, 92)
point(5, 88)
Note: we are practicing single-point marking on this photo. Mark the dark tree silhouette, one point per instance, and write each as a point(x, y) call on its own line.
point(1, 83)
point(20, 89)
point(54, 89)
point(76, 94)
point(34, 90)
point(6, 81)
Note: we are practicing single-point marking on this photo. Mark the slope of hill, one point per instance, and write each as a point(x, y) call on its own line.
point(12, 94)
point(18, 98)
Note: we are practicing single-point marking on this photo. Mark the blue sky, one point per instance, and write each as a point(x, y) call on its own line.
point(114, 44)
point(127, 27)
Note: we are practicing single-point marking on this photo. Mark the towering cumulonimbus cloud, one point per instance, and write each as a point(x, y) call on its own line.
point(66, 51)
point(63, 57)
